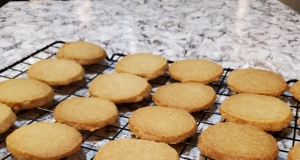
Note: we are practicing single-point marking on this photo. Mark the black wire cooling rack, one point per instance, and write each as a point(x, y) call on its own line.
point(92, 141)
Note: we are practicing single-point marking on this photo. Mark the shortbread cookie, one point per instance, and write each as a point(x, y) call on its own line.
point(56, 71)
point(81, 52)
point(201, 71)
point(146, 65)
point(295, 90)
point(86, 113)
point(237, 141)
point(25, 93)
point(7, 117)
point(120, 87)
point(162, 124)
point(191, 97)
point(44, 141)
point(256, 81)
point(294, 153)
point(136, 149)
point(265, 112)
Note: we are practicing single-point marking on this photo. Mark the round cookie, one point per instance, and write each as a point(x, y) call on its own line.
point(86, 113)
point(237, 141)
point(56, 71)
point(201, 71)
point(256, 81)
point(120, 87)
point(294, 153)
point(295, 90)
point(162, 124)
point(136, 149)
point(146, 65)
point(44, 141)
point(7, 117)
point(191, 97)
point(265, 112)
point(83, 53)
point(24, 93)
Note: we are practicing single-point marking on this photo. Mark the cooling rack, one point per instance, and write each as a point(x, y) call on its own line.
point(92, 141)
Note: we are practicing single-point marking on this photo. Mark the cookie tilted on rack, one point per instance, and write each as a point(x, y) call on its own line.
point(56, 72)
point(256, 81)
point(237, 141)
point(86, 113)
point(136, 149)
point(265, 112)
point(191, 97)
point(201, 71)
point(81, 52)
point(162, 124)
point(24, 93)
point(120, 87)
point(7, 117)
point(146, 65)
point(295, 90)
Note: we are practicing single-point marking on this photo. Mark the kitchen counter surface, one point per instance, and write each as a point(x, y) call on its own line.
point(233, 33)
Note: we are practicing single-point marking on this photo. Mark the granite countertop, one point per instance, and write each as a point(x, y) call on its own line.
point(235, 34)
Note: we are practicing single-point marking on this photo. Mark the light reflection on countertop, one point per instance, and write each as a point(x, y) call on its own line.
point(233, 33)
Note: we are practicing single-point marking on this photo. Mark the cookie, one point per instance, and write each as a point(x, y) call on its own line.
point(86, 113)
point(56, 72)
point(294, 153)
point(136, 149)
point(83, 53)
point(44, 141)
point(162, 124)
point(237, 141)
point(24, 93)
point(190, 96)
point(120, 87)
point(7, 117)
point(256, 81)
point(265, 112)
point(295, 90)
point(145, 65)
point(201, 71)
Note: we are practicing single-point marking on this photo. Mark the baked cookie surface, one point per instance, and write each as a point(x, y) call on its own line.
point(295, 90)
point(136, 149)
point(86, 113)
point(265, 112)
point(146, 65)
point(237, 141)
point(44, 141)
point(162, 124)
point(256, 81)
point(120, 87)
point(201, 71)
point(7, 117)
point(83, 53)
point(189, 96)
point(56, 71)
point(24, 93)
point(294, 153)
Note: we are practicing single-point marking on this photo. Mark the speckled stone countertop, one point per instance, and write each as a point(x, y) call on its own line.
point(233, 33)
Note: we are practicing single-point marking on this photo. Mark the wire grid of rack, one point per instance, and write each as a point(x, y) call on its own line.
point(92, 141)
